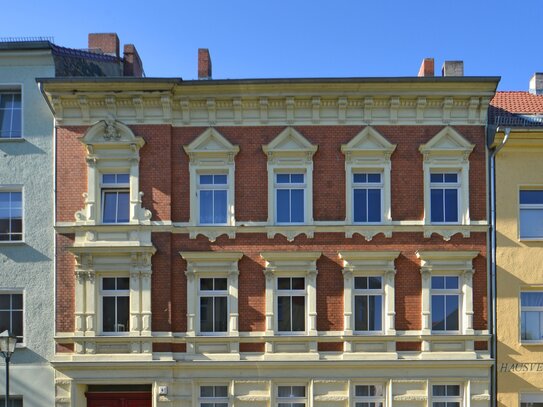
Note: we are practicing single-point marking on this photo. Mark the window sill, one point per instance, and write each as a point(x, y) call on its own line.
point(12, 140)
point(532, 343)
point(12, 242)
point(531, 239)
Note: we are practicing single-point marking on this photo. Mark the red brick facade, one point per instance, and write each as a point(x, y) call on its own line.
point(164, 180)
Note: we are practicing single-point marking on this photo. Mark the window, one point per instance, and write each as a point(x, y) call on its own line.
point(115, 304)
point(212, 178)
point(11, 216)
point(115, 198)
point(213, 305)
point(214, 396)
point(290, 183)
point(291, 396)
point(446, 395)
point(367, 193)
point(531, 307)
point(531, 400)
point(445, 303)
point(290, 197)
point(369, 395)
point(531, 214)
point(10, 115)
point(11, 314)
point(14, 401)
point(368, 304)
point(213, 194)
point(444, 194)
point(291, 304)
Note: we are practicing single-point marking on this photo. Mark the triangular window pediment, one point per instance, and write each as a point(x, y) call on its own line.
point(211, 143)
point(368, 142)
point(448, 141)
point(289, 141)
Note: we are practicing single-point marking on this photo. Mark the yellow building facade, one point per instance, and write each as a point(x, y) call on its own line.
point(519, 254)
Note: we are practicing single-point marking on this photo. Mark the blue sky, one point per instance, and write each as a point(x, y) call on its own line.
point(278, 38)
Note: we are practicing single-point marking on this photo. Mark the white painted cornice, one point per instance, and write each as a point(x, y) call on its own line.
point(287, 104)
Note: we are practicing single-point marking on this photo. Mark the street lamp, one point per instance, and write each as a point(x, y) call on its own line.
point(7, 347)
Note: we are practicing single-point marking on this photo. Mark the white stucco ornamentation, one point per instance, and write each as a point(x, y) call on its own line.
point(368, 151)
point(290, 152)
point(211, 153)
point(448, 152)
point(111, 148)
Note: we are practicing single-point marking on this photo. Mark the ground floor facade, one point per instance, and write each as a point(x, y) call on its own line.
point(292, 383)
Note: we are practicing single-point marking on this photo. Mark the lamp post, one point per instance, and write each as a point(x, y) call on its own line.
point(7, 347)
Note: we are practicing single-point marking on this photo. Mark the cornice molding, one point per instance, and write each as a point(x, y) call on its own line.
point(271, 109)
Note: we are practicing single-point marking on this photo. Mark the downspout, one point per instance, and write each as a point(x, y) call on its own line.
point(492, 198)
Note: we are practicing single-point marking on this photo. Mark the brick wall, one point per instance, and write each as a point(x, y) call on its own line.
point(164, 181)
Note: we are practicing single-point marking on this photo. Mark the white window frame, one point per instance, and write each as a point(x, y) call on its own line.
point(15, 88)
point(291, 400)
point(447, 263)
point(447, 151)
point(457, 186)
point(526, 399)
point(447, 399)
point(117, 187)
point(206, 400)
point(20, 189)
point(530, 309)
point(290, 152)
point(367, 186)
point(290, 186)
point(369, 292)
point(21, 292)
point(368, 152)
point(522, 207)
point(290, 293)
point(291, 264)
point(213, 187)
point(211, 265)
point(368, 399)
point(457, 292)
point(212, 294)
point(366, 264)
point(211, 154)
point(111, 147)
point(113, 293)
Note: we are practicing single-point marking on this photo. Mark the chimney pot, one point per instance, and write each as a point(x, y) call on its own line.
point(204, 64)
point(427, 67)
point(108, 43)
point(536, 84)
point(453, 68)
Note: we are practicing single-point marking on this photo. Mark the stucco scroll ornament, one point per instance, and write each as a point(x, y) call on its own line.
point(110, 132)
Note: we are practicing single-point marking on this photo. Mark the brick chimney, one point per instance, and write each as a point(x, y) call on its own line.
point(204, 64)
point(453, 68)
point(427, 67)
point(132, 62)
point(536, 84)
point(108, 43)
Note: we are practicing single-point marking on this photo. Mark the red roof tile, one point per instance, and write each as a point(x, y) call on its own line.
point(518, 102)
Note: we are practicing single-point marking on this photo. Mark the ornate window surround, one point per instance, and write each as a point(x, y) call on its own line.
point(211, 264)
point(367, 151)
point(291, 264)
point(369, 263)
point(211, 153)
point(290, 152)
point(111, 148)
point(93, 263)
point(438, 263)
point(447, 151)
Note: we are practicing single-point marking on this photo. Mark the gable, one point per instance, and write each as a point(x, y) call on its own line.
point(448, 141)
point(211, 141)
point(368, 141)
point(289, 141)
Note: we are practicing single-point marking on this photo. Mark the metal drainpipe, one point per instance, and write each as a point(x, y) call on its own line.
point(492, 198)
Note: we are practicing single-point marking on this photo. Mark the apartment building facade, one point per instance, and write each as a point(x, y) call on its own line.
point(27, 237)
point(296, 242)
point(518, 244)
